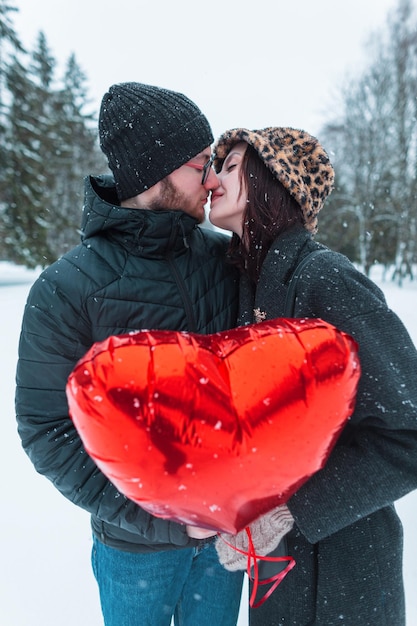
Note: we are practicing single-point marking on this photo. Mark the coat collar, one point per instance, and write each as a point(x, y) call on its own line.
point(268, 299)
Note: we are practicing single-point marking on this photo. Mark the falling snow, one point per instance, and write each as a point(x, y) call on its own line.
point(46, 542)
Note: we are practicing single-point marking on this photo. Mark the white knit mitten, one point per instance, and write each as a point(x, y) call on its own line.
point(267, 532)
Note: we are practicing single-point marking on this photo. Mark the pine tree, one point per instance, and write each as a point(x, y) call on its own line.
point(24, 215)
point(51, 146)
point(9, 46)
point(79, 155)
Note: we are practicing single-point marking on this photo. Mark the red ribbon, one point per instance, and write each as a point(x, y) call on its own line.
point(253, 560)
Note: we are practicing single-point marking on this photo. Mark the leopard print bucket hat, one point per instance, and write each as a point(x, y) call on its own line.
point(294, 157)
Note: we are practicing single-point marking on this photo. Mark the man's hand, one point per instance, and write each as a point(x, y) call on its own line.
point(199, 533)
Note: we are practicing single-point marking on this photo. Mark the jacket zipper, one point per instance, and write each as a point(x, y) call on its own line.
point(188, 307)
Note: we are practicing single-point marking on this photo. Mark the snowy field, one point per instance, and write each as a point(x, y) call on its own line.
point(45, 575)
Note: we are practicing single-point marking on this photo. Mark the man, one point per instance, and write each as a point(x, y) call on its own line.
point(143, 263)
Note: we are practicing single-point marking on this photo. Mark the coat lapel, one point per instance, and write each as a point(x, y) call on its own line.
point(280, 263)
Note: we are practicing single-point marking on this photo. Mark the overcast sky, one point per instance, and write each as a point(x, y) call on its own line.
point(250, 63)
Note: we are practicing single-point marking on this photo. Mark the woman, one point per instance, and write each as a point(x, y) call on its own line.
point(344, 534)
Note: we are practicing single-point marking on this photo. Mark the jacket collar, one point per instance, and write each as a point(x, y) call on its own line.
point(142, 231)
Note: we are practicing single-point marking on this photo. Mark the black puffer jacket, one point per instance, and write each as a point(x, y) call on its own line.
point(134, 269)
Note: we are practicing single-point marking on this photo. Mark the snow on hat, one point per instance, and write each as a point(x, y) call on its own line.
point(294, 157)
point(147, 132)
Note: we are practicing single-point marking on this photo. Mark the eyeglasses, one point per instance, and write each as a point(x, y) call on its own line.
point(205, 169)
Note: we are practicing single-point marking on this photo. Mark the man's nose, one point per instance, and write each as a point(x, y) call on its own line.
point(212, 181)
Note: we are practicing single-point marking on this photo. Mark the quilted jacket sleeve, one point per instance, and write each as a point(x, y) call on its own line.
point(54, 336)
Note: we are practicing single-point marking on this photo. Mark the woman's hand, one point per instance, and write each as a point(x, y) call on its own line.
point(267, 531)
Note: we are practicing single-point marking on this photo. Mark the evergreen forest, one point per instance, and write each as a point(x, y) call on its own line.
point(48, 143)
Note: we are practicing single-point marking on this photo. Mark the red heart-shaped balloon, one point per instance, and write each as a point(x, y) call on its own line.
point(214, 430)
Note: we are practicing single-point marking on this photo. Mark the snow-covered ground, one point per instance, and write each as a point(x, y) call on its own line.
point(45, 574)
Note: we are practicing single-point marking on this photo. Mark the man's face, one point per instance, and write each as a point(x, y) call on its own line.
point(183, 189)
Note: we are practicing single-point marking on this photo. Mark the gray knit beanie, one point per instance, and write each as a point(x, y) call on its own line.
point(147, 132)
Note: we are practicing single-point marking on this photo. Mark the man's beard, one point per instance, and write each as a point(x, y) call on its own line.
point(171, 198)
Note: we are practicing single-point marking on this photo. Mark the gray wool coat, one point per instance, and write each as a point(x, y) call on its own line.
point(347, 538)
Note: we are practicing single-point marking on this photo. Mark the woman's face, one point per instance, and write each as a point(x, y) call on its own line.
point(228, 201)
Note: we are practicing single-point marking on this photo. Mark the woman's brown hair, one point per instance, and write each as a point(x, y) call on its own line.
point(270, 211)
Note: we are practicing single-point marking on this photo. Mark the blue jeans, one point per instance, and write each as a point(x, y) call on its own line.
point(148, 589)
